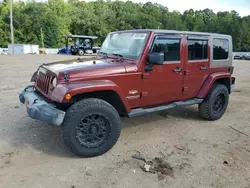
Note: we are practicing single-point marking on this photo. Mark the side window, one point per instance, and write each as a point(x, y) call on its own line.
point(170, 48)
point(197, 49)
point(220, 49)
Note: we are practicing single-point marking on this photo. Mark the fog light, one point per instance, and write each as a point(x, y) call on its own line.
point(68, 97)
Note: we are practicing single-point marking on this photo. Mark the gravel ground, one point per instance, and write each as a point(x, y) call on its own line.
point(189, 151)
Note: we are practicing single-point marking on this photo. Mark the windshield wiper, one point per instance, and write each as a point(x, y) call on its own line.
point(105, 55)
point(119, 55)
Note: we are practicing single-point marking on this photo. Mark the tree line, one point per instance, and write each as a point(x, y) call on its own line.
point(57, 18)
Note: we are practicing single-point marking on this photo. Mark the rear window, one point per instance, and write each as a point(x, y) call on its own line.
point(220, 49)
point(197, 49)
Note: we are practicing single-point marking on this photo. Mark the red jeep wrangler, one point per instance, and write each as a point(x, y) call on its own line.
point(136, 72)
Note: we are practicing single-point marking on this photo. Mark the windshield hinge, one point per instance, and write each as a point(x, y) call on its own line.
point(144, 75)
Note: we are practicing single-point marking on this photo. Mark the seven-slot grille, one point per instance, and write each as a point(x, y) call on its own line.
point(43, 82)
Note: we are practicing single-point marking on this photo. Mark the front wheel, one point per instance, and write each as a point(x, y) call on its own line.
point(91, 127)
point(215, 104)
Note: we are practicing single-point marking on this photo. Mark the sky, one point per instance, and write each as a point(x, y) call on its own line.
point(241, 6)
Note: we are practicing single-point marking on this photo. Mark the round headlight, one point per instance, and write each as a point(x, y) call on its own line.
point(54, 82)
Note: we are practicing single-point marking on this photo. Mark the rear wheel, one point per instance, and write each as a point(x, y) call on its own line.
point(215, 104)
point(81, 52)
point(91, 127)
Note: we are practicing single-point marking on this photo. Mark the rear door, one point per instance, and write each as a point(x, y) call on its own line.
point(164, 83)
point(197, 64)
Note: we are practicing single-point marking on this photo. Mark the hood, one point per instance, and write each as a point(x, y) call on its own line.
point(90, 67)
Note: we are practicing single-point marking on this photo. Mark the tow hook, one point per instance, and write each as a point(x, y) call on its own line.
point(30, 86)
point(35, 101)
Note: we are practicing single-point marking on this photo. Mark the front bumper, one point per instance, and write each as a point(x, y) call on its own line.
point(38, 108)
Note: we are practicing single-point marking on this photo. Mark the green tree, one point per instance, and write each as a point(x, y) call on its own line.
point(59, 17)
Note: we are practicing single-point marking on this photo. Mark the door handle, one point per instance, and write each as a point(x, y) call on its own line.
point(177, 69)
point(203, 67)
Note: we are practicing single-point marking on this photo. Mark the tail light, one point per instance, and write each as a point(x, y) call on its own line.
point(230, 70)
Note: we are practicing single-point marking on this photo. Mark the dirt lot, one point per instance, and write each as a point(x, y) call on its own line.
point(196, 153)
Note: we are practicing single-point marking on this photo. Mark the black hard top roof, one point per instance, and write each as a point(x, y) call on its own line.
point(175, 32)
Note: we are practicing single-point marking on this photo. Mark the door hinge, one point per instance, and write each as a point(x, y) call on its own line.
point(184, 89)
point(186, 72)
point(140, 95)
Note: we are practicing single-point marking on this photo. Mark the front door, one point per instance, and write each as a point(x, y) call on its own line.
point(164, 83)
point(197, 66)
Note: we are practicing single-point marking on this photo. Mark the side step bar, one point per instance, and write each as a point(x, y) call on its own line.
point(143, 111)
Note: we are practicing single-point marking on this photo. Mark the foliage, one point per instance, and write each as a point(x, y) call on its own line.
point(59, 17)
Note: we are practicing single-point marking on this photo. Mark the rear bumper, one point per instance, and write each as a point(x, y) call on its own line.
point(233, 83)
point(38, 108)
point(233, 80)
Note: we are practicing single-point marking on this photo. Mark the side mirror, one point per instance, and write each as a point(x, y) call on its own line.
point(156, 58)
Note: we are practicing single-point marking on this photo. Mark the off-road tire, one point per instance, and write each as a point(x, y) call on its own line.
point(206, 107)
point(80, 52)
point(75, 115)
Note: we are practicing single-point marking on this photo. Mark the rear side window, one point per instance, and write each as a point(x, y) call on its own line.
point(197, 49)
point(170, 48)
point(220, 49)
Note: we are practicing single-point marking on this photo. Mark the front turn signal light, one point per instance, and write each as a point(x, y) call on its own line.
point(68, 97)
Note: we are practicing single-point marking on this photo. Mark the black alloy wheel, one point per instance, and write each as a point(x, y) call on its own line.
point(93, 130)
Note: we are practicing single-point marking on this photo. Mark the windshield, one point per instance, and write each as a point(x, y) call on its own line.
point(128, 45)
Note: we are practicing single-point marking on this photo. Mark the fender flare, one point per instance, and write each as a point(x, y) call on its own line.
point(210, 80)
point(34, 77)
point(76, 88)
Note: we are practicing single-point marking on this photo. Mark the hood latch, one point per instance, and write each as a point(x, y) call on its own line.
point(66, 76)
